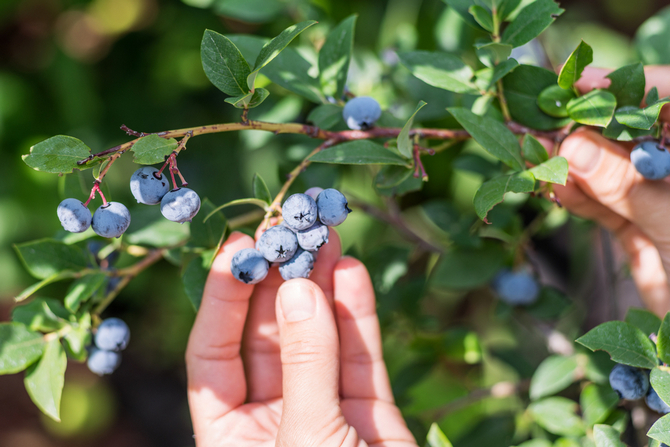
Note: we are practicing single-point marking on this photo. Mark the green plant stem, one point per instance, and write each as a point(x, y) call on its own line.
point(503, 102)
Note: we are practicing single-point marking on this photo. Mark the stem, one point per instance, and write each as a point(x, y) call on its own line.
point(96, 187)
point(503, 102)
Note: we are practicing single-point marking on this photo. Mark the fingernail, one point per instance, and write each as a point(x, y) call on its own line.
point(584, 156)
point(297, 301)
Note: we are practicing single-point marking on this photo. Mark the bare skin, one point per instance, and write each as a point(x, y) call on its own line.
point(296, 363)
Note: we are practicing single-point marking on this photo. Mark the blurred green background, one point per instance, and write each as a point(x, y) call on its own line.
point(84, 67)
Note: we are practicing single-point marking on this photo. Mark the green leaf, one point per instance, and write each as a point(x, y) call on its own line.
point(19, 347)
point(46, 257)
point(41, 314)
point(652, 96)
point(628, 85)
point(259, 203)
point(522, 88)
point(596, 108)
point(482, 17)
point(660, 381)
point(557, 415)
point(506, 7)
point(493, 191)
point(492, 53)
point(260, 189)
point(325, 116)
point(250, 100)
point(644, 320)
point(617, 131)
point(271, 49)
point(334, 57)
point(159, 233)
point(492, 135)
point(462, 7)
point(153, 149)
point(223, 63)
point(607, 436)
point(554, 170)
point(57, 155)
point(467, 268)
point(597, 402)
point(251, 11)
point(194, 278)
point(533, 151)
point(358, 152)
point(554, 374)
point(531, 21)
point(575, 65)
point(78, 338)
point(663, 342)
point(82, 289)
point(392, 180)
point(624, 342)
point(661, 430)
point(538, 442)
point(554, 101)
point(441, 70)
point(44, 380)
point(405, 145)
point(436, 438)
point(637, 118)
point(208, 226)
point(487, 77)
point(28, 291)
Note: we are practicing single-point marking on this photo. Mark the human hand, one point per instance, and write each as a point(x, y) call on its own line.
point(305, 370)
point(604, 186)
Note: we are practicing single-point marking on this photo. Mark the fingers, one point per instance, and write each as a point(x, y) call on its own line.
point(379, 423)
point(364, 374)
point(645, 261)
point(261, 336)
point(213, 351)
point(310, 366)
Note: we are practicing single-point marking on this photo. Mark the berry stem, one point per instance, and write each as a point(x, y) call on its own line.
point(96, 188)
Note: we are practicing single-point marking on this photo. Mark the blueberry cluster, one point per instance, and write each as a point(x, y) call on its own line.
point(112, 337)
point(112, 219)
point(361, 113)
point(516, 288)
point(293, 244)
point(651, 159)
point(632, 383)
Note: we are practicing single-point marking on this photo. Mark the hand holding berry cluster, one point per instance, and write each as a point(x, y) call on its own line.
point(295, 242)
point(112, 337)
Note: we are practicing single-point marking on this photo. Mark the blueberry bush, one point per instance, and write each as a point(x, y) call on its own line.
point(483, 352)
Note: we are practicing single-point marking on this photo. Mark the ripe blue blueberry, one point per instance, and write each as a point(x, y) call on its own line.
point(516, 288)
point(146, 187)
point(629, 383)
point(299, 211)
point(73, 215)
point(111, 220)
point(103, 362)
point(361, 113)
point(332, 207)
point(180, 205)
point(655, 402)
point(314, 192)
point(277, 244)
point(314, 237)
point(299, 266)
point(651, 160)
point(249, 266)
point(113, 335)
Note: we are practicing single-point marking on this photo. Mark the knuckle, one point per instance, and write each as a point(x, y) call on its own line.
point(302, 350)
point(223, 352)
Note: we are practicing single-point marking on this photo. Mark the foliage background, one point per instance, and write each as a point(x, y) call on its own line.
point(83, 68)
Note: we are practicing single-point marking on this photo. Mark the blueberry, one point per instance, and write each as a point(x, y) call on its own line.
point(299, 211)
point(629, 383)
point(111, 220)
point(314, 192)
point(314, 237)
point(655, 402)
point(113, 335)
point(277, 244)
point(516, 288)
point(249, 266)
point(146, 187)
point(180, 205)
point(332, 206)
point(103, 362)
point(73, 215)
point(361, 113)
point(651, 160)
point(299, 266)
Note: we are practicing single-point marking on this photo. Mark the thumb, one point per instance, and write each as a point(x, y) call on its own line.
point(308, 339)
